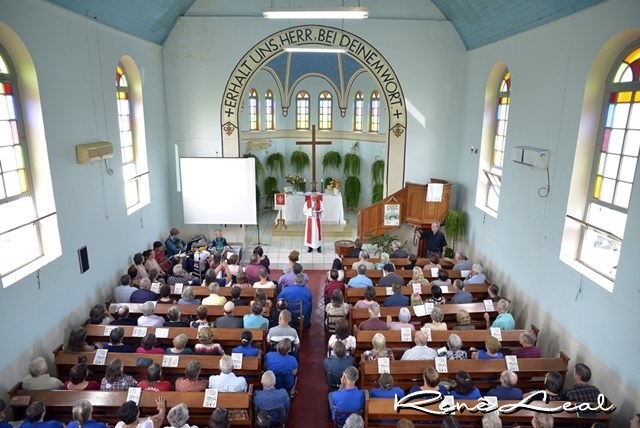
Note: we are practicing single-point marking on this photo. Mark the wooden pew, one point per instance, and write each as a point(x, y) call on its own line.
point(380, 412)
point(106, 404)
point(227, 337)
point(479, 292)
point(407, 275)
point(470, 338)
point(247, 293)
point(347, 262)
point(476, 311)
point(485, 373)
point(135, 310)
point(251, 366)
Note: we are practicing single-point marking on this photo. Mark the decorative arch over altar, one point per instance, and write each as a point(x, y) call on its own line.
point(358, 49)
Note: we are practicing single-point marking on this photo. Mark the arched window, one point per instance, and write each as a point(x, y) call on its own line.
point(374, 112)
point(253, 110)
point(494, 173)
point(324, 110)
point(135, 171)
point(29, 236)
point(269, 120)
point(614, 167)
point(302, 110)
point(358, 107)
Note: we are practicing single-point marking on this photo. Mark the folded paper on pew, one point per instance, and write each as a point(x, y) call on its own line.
point(133, 394)
point(405, 334)
point(155, 287)
point(210, 398)
point(491, 400)
point(162, 333)
point(488, 305)
point(442, 351)
point(464, 273)
point(417, 288)
point(383, 365)
point(177, 289)
point(420, 311)
point(512, 363)
point(170, 360)
point(113, 307)
point(434, 272)
point(236, 357)
point(428, 307)
point(441, 365)
point(496, 332)
point(448, 402)
point(389, 291)
point(108, 329)
point(139, 332)
point(428, 331)
point(445, 289)
point(100, 359)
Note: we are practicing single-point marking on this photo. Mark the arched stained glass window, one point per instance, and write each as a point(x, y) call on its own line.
point(374, 112)
point(302, 110)
point(358, 107)
point(269, 106)
point(253, 110)
point(324, 110)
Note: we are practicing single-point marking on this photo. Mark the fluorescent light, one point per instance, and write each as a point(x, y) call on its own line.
point(317, 13)
point(316, 49)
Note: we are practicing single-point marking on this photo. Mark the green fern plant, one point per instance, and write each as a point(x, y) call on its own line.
point(377, 171)
point(258, 165)
point(351, 164)
point(331, 160)
point(275, 163)
point(327, 181)
point(299, 161)
point(454, 225)
point(377, 192)
point(352, 192)
point(270, 189)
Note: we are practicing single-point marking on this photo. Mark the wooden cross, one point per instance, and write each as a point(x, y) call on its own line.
point(313, 144)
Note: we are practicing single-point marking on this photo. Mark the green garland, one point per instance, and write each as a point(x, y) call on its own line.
point(377, 171)
point(351, 163)
point(376, 193)
point(331, 160)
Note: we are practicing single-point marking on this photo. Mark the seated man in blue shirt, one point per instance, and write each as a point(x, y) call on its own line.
point(476, 276)
point(361, 280)
point(397, 299)
point(348, 398)
point(461, 295)
point(507, 390)
point(296, 293)
point(271, 399)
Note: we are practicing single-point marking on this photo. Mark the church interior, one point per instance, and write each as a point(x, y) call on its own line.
point(421, 90)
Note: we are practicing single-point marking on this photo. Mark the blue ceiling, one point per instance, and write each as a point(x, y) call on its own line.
point(478, 22)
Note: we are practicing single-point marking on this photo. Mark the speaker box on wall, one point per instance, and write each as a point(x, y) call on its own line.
point(83, 259)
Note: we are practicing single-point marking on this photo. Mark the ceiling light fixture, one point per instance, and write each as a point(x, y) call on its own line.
point(316, 13)
point(316, 49)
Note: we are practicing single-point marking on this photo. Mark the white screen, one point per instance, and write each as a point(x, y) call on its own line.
point(218, 190)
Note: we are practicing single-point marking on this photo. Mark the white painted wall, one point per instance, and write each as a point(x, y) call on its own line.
point(75, 63)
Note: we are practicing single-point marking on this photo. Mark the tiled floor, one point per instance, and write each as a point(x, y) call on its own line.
point(278, 247)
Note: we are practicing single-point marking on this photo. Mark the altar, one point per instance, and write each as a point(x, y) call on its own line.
point(292, 211)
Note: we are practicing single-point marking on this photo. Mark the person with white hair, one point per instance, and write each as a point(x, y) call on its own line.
point(81, 413)
point(404, 320)
point(180, 346)
point(529, 349)
point(148, 318)
point(507, 390)
point(363, 261)
point(227, 381)
point(354, 421)
point(188, 297)
point(504, 320)
point(397, 252)
point(271, 399)
point(542, 420)
point(229, 320)
point(421, 351)
point(476, 276)
point(39, 378)
point(144, 294)
point(178, 416)
point(491, 420)
point(180, 276)
point(455, 351)
point(175, 317)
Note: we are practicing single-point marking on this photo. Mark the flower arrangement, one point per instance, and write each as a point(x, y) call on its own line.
point(295, 179)
point(335, 183)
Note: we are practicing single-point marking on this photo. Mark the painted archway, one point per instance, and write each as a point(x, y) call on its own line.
point(358, 49)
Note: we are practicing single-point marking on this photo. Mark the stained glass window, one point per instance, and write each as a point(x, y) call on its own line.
point(374, 112)
point(494, 174)
point(302, 110)
point(614, 168)
point(269, 120)
point(358, 107)
point(324, 111)
point(253, 110)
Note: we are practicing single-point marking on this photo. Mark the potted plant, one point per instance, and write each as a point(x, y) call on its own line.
point(454, 225)
point(331, 160)
point(334, 185)
point(299, 161)
point(298, 182)
point(270, 189)
point(275, 163)
point(352, 192)
point(351, 164)
point(377, 177)
point(382, 242)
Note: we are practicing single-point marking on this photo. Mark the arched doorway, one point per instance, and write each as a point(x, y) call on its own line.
point(358, 49)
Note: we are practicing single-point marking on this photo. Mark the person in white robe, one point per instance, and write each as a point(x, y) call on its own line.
point(314, 212)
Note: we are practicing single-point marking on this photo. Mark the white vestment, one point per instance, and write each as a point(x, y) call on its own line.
point(313, 226)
